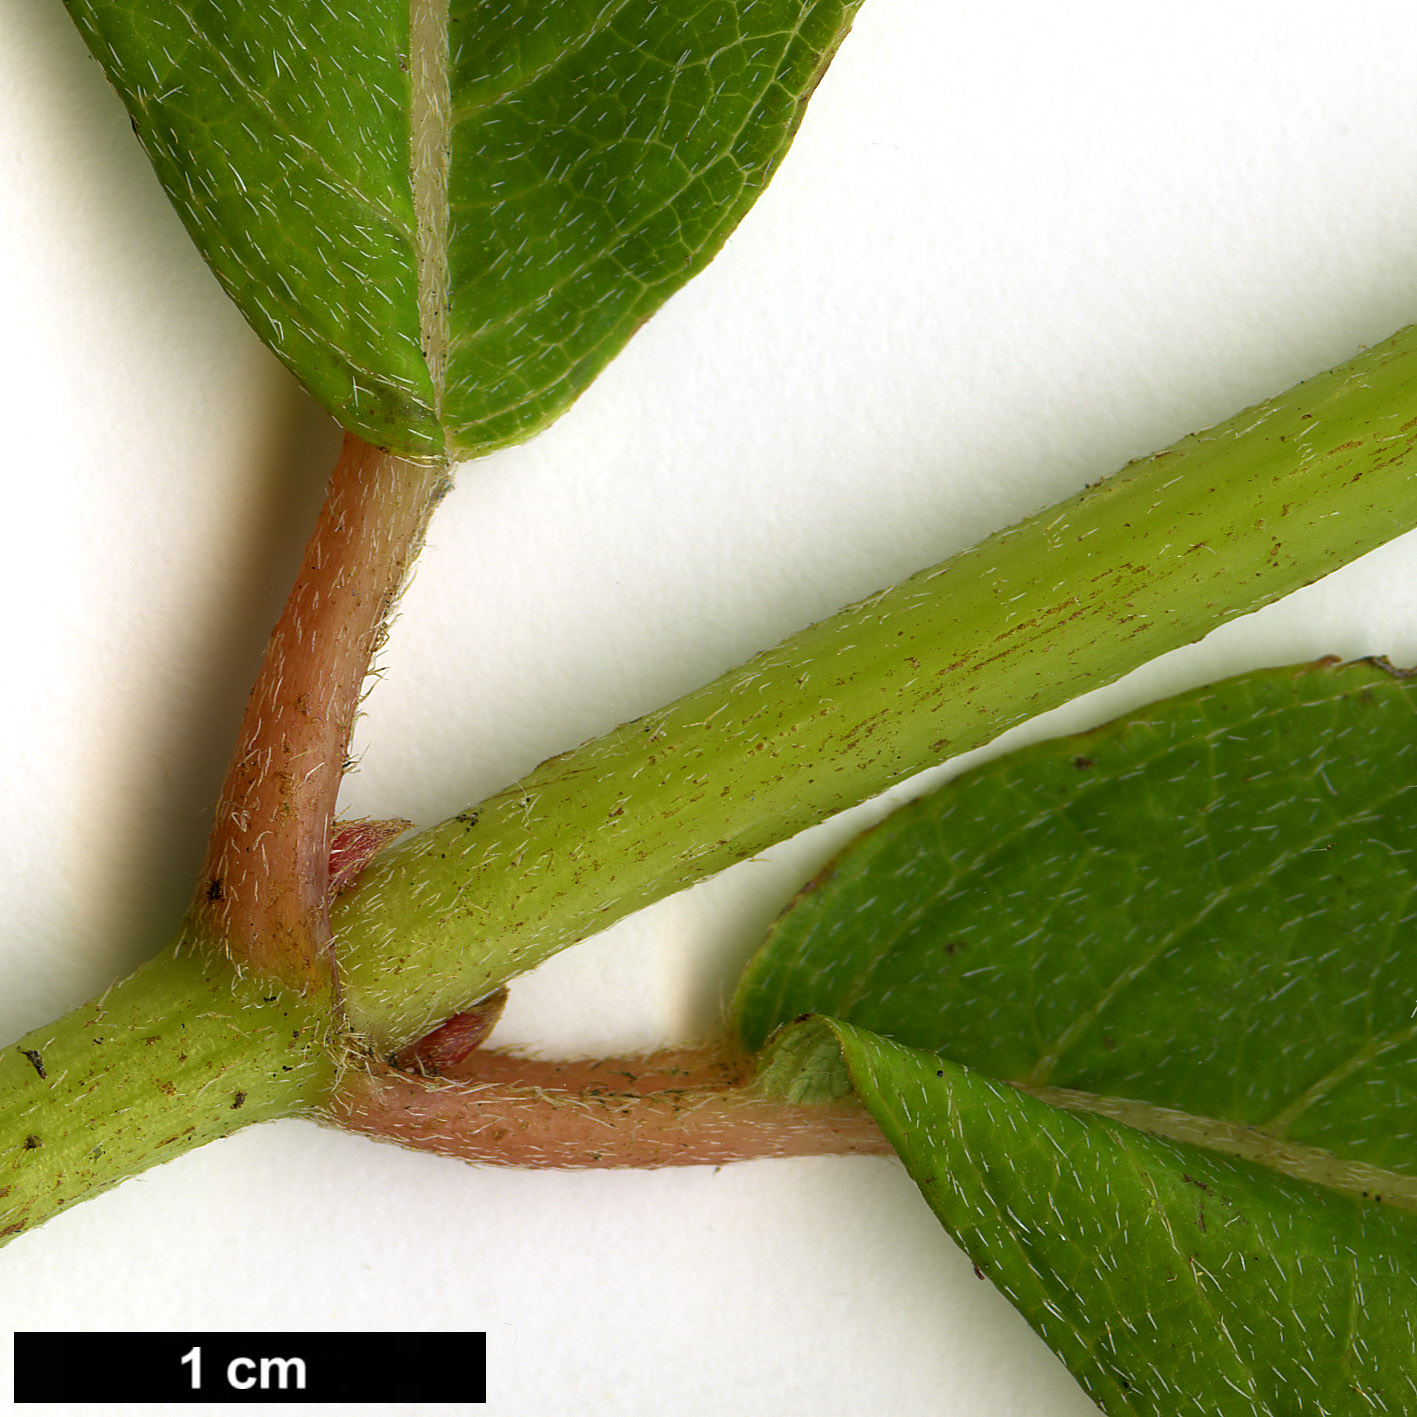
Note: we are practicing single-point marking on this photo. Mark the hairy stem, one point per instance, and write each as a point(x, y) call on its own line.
point(1220, 524)
point(264, 886)
point(683, 1107)
point(181, 1052)
point(1216, 526)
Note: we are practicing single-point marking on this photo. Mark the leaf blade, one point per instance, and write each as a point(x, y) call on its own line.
point(447, 222)
point(288, 170)
point(1183, 938)
point(652, 182)
point(1169, 1279)
point(1238, 1016)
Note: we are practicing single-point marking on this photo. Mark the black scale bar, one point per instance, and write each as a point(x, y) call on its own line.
point(194, 1368)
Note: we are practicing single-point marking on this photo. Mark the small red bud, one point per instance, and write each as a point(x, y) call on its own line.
point(438, 1054)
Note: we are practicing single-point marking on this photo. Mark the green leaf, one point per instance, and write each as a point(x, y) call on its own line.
point(1187, 935)
point(1170, 1280)
point(446, 219)
point(1205, 906)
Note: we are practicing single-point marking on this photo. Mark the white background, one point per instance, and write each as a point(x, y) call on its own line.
point(1013, 247)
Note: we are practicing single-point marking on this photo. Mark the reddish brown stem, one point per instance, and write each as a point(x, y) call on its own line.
point(685, 1107)
point(264, 886)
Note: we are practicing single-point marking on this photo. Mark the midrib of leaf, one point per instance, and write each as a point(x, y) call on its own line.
point(431, 129)
point(804, 1063)
point(1303, 1163)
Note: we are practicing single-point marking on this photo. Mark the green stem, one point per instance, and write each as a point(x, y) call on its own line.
point(187, 1050)
point(181, 1052)
point(1214, 527)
